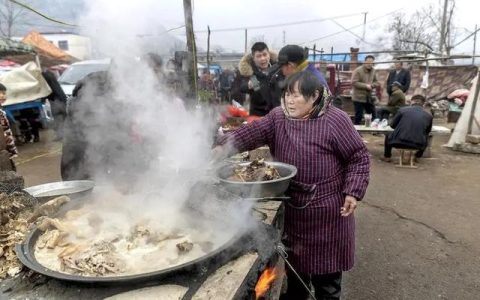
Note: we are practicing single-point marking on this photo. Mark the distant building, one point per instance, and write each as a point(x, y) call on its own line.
point(76, 45)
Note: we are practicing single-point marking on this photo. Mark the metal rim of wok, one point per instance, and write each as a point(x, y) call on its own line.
point(278, 165)
point(55, 189)
point(26, 254)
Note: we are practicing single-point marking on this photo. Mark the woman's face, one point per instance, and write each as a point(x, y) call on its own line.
point(296, 104)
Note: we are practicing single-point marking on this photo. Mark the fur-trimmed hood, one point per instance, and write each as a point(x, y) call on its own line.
point(245, 65)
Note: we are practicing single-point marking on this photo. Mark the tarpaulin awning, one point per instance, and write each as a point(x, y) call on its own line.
point(9, 47)
point(345, 57)
point(50, 54)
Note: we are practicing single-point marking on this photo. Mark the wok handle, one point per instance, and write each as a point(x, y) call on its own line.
point(263, 199)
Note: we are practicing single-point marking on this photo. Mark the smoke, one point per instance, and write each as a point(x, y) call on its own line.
point(140, 138)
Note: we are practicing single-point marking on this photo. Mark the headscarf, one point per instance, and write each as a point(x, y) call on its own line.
point(319, 106)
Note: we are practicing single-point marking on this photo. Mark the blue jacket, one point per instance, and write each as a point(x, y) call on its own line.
point(311, 68)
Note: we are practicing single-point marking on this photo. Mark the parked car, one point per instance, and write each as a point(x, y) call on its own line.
point(80, 70)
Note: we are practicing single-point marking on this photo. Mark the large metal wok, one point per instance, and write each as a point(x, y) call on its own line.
point(26, 254)
point(257, 189)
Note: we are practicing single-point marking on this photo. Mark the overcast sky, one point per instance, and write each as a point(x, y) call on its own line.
point(222, 14)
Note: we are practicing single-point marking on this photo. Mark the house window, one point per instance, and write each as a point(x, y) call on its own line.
point(63, 45)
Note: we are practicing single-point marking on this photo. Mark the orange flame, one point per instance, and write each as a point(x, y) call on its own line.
point(264, 282)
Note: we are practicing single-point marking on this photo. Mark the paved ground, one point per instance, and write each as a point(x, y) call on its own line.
point(40, 162)
point(417, 230)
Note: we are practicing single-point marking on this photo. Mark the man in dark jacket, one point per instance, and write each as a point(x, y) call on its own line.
point(98, 137)
point(398, 74)
point(58, 102)
point(412, 125)
point(395, 101)
point(259, 81)
point(293, 59)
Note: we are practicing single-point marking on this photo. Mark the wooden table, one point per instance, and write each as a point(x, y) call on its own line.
point(436, 130)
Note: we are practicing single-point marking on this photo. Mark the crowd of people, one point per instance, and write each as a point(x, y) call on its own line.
point(411, 121)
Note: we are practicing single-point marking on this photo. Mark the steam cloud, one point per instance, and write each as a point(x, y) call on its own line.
point(176, 140)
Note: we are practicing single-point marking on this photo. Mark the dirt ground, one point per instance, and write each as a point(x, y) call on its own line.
point(417, 229)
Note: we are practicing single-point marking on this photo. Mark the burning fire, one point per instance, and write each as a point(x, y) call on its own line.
point(264, 282)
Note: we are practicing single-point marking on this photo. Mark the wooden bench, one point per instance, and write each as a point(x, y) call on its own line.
point(407, 163)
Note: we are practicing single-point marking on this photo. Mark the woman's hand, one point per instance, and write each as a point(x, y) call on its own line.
point(218, 153)
point(349, 206)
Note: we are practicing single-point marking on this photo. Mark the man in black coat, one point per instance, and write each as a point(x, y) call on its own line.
point(58, 102)
point(412, 125)
point(398, 74)
point(98, 133)
point(260, 80)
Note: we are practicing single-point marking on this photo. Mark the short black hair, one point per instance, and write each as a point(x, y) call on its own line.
point(3, 88)
point(369, 56)
point(259, 46)
point(418, 98)
point(307, 84)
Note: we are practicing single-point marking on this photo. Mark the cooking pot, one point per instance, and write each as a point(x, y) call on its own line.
point(257, 189)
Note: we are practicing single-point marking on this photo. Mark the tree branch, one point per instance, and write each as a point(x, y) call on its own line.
point(418, 42)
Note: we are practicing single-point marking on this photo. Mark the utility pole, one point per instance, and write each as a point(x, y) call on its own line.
point(474, 44)
point(208, 49)
point(442, 28)
point(364, 25)
point(314, 54)
point(284, 39)
point(246, 42)
point(192, 51)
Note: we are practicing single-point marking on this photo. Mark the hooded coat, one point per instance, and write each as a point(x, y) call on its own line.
point(268, 96)
point(332, 162)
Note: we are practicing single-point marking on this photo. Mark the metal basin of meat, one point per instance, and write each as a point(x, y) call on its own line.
point(257, 189)
point(109, 243)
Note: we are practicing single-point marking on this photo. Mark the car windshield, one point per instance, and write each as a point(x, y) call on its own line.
point(77, 72)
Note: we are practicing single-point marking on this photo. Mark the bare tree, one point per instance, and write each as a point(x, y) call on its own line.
point(11, 16)
point(434, 13)
point(412, 33)
point(423, 29)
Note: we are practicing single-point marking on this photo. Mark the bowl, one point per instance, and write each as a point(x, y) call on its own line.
point(257, 189)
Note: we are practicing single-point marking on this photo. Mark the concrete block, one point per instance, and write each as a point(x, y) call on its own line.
point(473, 139)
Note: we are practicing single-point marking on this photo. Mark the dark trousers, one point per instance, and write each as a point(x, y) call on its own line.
point(360, 109)
point(388, 148)
point(327, 286)
point(383, 113)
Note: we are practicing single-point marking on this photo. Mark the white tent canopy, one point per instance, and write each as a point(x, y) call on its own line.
point(461, 129)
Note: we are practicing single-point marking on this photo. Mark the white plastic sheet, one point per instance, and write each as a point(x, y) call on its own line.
point(24, 84)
